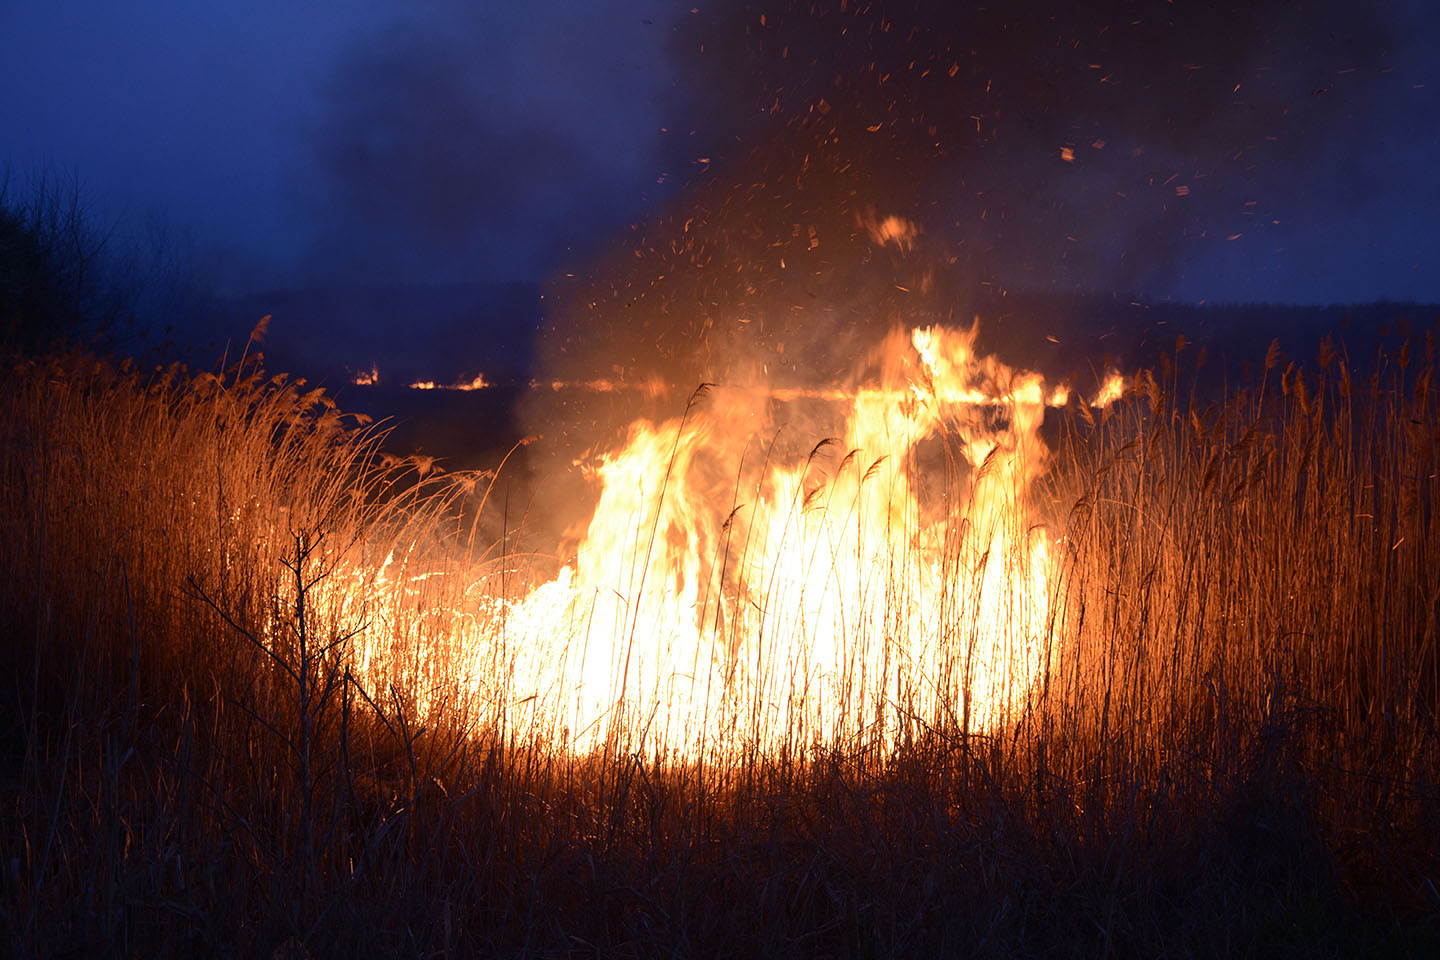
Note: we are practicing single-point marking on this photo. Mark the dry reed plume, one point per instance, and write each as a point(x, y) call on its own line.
point(243, 715)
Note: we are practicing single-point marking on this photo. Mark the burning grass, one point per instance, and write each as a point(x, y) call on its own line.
point(1165, 681)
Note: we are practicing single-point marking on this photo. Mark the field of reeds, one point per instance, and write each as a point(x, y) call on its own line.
point(238, 712)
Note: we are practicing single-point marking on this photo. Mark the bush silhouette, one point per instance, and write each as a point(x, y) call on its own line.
point(58, 280)
point(27, 309)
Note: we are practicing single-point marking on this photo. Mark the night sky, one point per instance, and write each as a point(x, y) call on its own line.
point(1277, 151)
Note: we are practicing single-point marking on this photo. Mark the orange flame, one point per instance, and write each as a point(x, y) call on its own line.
point(1111, 390)
point(732, 593)
point(478, 382)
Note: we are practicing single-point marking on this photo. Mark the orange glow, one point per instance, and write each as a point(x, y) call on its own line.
point(896, 231)
point(651, 387)
point(478, 382)
point(741, 586)
point(732, 591)
point(1111, 390)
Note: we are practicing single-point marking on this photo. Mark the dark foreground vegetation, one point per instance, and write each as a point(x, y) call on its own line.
point(1234, 753)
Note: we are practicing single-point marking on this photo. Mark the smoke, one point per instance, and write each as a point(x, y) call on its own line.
point(755, 151)
point(468, 142)
point(1035, 146)
point(1029, 147)
point(1064, 145)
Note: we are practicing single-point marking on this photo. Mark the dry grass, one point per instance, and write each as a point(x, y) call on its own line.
point(221, 739)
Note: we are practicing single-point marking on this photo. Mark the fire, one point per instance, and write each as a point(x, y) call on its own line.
point(651, 387)
point(478, 382)
point(1111, 390)
point(734, 591)
point(892, 230)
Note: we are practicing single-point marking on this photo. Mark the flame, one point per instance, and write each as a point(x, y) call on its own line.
point(1111, 390)
point(891, 230)
point(734, 592)
point(367, 378)
point(478, 382)
point(651, 387)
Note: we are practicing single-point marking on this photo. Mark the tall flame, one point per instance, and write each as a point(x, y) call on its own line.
point(731, 593)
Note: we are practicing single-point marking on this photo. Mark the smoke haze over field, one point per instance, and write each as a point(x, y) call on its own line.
point(465, 141)
point(1110, 145)
point(716, 168)
point(449, 141)
point(1031, 147)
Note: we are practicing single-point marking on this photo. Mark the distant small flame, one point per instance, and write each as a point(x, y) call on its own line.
point(652, 387)
point(478, 382)
point(367, 378)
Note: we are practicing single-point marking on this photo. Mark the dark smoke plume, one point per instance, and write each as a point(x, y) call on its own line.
point(478, 142)
point(1028, 146)
point(865, 165)
point(829, 169)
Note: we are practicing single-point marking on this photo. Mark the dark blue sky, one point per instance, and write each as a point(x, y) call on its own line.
point(219, 117)
point(437, 140)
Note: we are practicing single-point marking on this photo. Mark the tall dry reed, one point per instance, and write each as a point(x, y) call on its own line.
point(244, 714)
